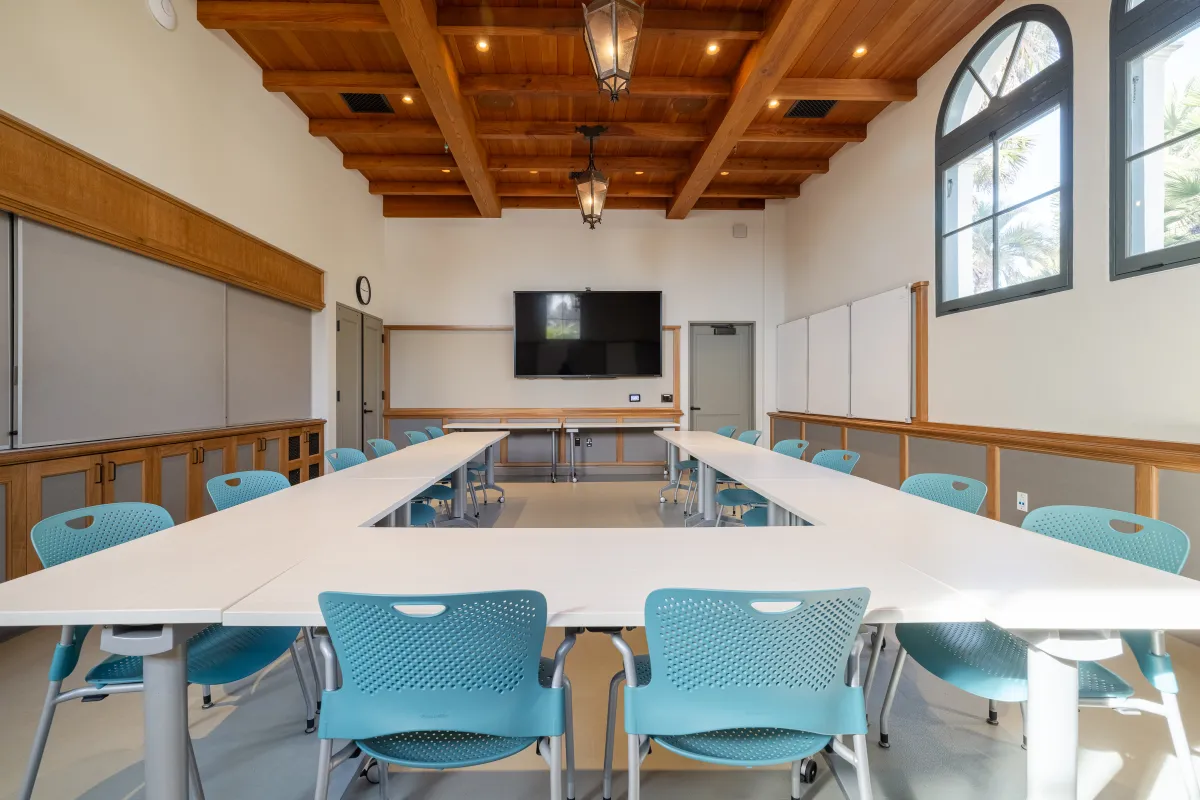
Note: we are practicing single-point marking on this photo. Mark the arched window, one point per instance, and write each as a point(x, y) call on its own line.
point(1155, 140)
point(1003, 157)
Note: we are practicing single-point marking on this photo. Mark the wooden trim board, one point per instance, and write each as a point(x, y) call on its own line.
point(48, 180)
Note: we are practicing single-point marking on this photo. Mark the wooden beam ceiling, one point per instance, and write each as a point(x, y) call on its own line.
point(289, 16)
point(424, 207)
point(791, 131)
point(433, 65)
point(791, 28)
point(610, 164)
point(455, 189)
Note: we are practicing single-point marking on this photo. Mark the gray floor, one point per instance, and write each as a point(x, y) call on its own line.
point(252, 745)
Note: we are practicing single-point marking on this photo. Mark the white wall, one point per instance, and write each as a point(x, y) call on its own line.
point(1108, 358)
point(185, 111)
point(463, 272)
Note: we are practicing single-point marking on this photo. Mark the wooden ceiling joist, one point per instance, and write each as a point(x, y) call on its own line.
point(648, 131)
point(375, 126)
point(455, 189)
point(585, 85)
point(390, 161)
point(433, 66)
point(496, 21)
point(610, 164)
point(397, 206)
point(856, 89)
point(302, 81)
point(623, 203)
point(791, 29)
point(289, 16)
point(800, 132)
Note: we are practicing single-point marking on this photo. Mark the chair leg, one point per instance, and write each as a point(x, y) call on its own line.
point(862, 769)
point(888, 698)
point(325, 755)
point(1183, 752)
point(609, 733)
point(39, 739)
point(312, 663)
point(1024, 725)
point(474, 501)
point(873, 664)
point(635, 767)
point(197, 788)
point(993, 717)
point(207, 702)
point(570, 739)
point(383, 779)
point(310, 718)
point(795, 780)
point(556, 748)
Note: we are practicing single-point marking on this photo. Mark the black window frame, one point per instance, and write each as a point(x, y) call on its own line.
point(1053, 86)
point(1132, 33)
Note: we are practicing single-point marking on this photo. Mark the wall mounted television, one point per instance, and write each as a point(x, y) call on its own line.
point(587, 334)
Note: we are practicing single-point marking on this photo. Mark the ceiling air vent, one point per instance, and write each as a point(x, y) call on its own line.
point(810, 109)
point(367, 103)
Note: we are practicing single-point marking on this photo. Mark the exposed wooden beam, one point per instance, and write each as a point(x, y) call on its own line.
point(455, 189)
point(527, 129)
point(430, 206)
point(288, 16)
point(869, 89)
point(643, 203)
point(802, 132)
point(790, 29)
point(495, 21)
point(611, 164)
point(431, 62)
point(585, 85)
point(416, 161)
point(303, 81)
point(797, 166)
point(402, 128)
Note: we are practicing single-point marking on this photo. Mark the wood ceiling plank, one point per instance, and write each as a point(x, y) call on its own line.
point(261, 15)
point(414, 161)
point(859, 89)
point(302, 81)
point(798, 166)
point(791, 28)
point(650, 86)
point(529, 129)
point(789, 131)
point(433, 66)
point(375, 126)
point(400, 207)
point(500, 21)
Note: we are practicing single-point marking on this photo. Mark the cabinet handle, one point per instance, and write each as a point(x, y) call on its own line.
point(262, 443)
point(195, 456)
point(99, 472)
point(200, 457)
point(112, 470)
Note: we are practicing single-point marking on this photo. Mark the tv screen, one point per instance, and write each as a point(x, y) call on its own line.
point(588, 334)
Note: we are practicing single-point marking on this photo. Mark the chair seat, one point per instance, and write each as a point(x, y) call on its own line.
point(438, 492)
point(731, 498)
point(477, 466)
point(690, 463)
point(990, 662)
point(746, 747)
point(216, 655)
point(422, 514)
point(755, 517)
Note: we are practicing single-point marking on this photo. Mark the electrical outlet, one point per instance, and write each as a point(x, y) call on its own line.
point(635, 398)
point(1022, 501)
point(668, 398)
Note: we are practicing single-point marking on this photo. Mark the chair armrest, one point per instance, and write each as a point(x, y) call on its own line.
point(1156, 666)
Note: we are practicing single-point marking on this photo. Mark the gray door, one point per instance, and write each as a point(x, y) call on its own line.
point(372, 380)
point(349, 378)
point(722, 376)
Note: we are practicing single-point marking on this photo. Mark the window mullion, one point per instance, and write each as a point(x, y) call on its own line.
point(995, 212)
point(1011, 58)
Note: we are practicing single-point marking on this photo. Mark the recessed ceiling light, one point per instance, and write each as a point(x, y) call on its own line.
point(446, 171)
point(407, 99)
point(713, 48)
point(726, 172)
point(860, 51)
point(639, 172)
point(481, 45)
point(772, 103)
point(533, 172)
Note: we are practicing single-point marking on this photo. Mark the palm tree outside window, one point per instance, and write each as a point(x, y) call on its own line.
point(1004, 166)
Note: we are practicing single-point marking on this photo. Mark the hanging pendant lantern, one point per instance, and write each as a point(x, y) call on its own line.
point(611, 29)
point(591, 186)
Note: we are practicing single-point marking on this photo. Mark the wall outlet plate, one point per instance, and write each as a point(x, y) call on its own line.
point(1022, 501)
point(668, 398)
point(635, 398)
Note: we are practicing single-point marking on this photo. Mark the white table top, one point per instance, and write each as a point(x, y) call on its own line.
point(587, 576)
point(504, 426)
point(434, 459)
point(574, 425)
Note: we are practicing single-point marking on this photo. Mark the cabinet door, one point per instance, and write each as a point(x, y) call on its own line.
point(246, 452)
point(63, 484)
point(271, 451)
point(294, 455)
point(15, 534)
point(129, 477)
point(212, 457)
point(314, 458)
point(172, 475)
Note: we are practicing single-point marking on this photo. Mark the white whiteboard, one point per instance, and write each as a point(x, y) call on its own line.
point(829, 362)
point(791, 366)
point(881, 356)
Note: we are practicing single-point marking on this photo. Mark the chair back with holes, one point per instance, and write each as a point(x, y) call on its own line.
point(235, 488)
point(56, 540)
point(1147, 541)
point(416, 437)
point(725, 660)
point(749, 437)
point(791, 447)
point(381, 447)
point(434, 432)
point(344, 457)
point(726, 430)
point(965, 494)
point(840, 460)
point(462, 662)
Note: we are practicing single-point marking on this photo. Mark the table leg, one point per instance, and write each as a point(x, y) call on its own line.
point(1053, 727)
point(403, 516)
point(777, 515)
point(571, 452)
point(489, 460)
point(672, 474)
point(553, 456)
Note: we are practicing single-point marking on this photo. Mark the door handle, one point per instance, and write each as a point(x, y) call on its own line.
point(112, 470)
point(368, 411)
point(693, 408)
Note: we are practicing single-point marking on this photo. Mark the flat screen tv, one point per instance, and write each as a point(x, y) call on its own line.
point(588, 334)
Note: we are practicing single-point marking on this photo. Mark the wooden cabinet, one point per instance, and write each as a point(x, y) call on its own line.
point(172, 470)
point(129, 476)
point(62, 484)
point(303, 453)
point(210, 458)
point(13, 494)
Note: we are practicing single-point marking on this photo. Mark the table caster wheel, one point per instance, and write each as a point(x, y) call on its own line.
point(574, 479)
point(808, 771)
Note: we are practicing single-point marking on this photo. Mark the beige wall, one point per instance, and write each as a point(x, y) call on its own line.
point(1103, 358)
point(185, 110)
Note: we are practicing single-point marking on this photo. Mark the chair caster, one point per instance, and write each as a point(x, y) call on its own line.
point(318, 706)
point(208, 703)
point(574, 479)
point(371, 772)
point(501, 500)
point(808, 771)
point(993, 718)
point(662, 499)
point(310, 725)
point(883, 741)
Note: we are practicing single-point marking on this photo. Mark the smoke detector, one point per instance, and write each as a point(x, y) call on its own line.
point(164, 13)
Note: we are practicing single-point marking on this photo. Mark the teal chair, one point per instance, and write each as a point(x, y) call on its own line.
point(341, 458)
point(757, 517)
point(476, 472)
point(735, 498)
point(381, 447)
point(216, 654)
point(965, 494)
point(236, 488)
point(726, 430)
point(692, 467)
point(443, 682)
point(987, 661)
point(840, 460)
point(746, 679)
point(434, 431)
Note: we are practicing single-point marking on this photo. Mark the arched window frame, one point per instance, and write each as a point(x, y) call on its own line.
point(1051, 87)
point(1134, 31)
